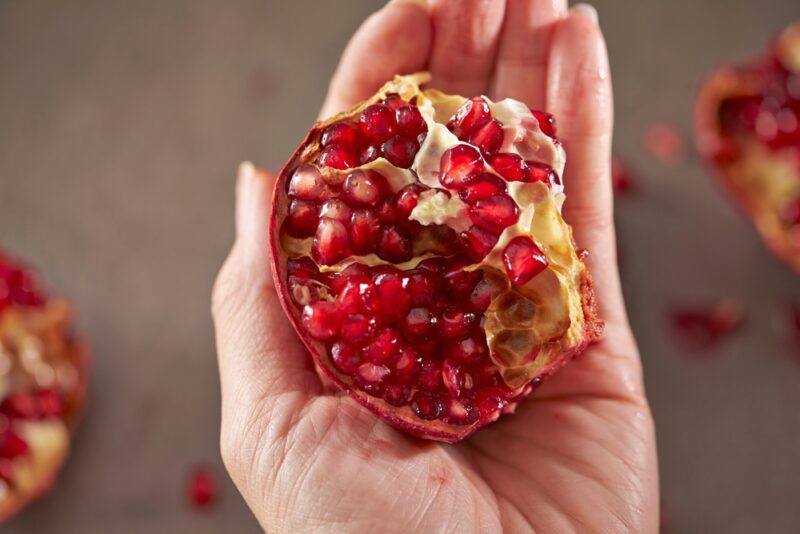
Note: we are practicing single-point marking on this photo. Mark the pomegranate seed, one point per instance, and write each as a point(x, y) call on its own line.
point(397, 394)
point(489, 408)
point(345, 357)
point(483, 294)
point(357, 328)
point(301, 220)
point(459, 282)
point(510, 166)
point(6, 470)
point(392, 297)
point(394, 246)
point(302, 268)
point(370, 377)
point(410, 121)
point(364, 187)
point(393, 101)
point(469, 351)
point(541, 172)
point(704, 328)
point(427, 405)
point(460, 412)
point(387, 211)
point(407, 364)
point(330, 242)
point(419, 324)
point(400, 151)
point(336, 209)
point(523, 259)
point(322, 320)
point(378, 122)
point(365, 231)
point(356, 296)
point(790, 214)
point(11, 445)
point(453, 377)
point(355, 272)
point(494, 214)
point(202, 488)
point(50, 403)
point(384, 347)
point(455, 323)
point(473, 114)
point(478, 242)
point(430, 349)
point(430, 375)
point(488, 138)
point(343, 133)
point(423, 288)
point(20, 406)
point(407, 199)
point(485, 185)
point(307, 184)
point(546, 121)
point(459, 166)
point(370, 153)
point(338, 157)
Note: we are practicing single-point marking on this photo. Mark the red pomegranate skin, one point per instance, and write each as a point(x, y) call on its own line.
point(37, 414)
point(422, 416)
point(747, 125)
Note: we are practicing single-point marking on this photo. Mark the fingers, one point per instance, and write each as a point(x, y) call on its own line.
point(579, 94)
point(259, 355)
point(394, 40)
point(466, 34)
point(522, 58)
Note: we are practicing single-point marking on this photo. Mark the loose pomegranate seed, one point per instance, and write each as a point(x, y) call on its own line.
point(357, 328)
point(478, 242)
point(473, 114)
point(384, 347)
point(427, 405)
point(546, 122)
point(485, 185)
point(488, 138)
point(370, 377)
point(455, 323)
point(365, 231)
point(11, 445)
point(394, 246)
point(419, 324)
point(621, 178)
point(459, 166)
point(378, 122)
point(400, 151)
point(202, 488)
point(410, 121)
point(307, 184)
point(301, 220)
point(322, 320)
point(393, 299)
point(469, 351)
point(345, 357)
point(336, 209)
point(494, 214)
point(523, 259)
point(331, 243)
point(511, 167)
point(343, 133)
point(397, 394)
point(364, 187)
point(338, 157)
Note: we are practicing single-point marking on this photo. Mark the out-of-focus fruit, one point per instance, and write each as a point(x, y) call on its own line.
point(455, 287)
point(703, 328)
point(747, 121)
point(202, 488)
point(43, 372)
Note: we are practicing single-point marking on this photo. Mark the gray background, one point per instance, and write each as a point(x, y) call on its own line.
point(121, 125)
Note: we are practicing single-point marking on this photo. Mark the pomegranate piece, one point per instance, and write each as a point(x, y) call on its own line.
point(664, 143)
point(39, 405)
point(202, 488)
point(747, 129)
point(408, 278)
point(621, 176)
point(702, 329)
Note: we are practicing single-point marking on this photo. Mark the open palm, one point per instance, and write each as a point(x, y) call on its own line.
point(579, 455)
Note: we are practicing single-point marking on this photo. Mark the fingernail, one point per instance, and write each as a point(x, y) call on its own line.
point(246, 170)
point(585, 10)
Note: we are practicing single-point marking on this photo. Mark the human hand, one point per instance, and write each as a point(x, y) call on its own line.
point(580, 454)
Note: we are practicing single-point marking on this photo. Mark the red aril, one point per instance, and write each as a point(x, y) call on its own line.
point(423, 291)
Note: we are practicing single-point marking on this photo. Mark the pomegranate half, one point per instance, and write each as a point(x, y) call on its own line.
point(43, 372)
point(747, 121)
point(420, 253)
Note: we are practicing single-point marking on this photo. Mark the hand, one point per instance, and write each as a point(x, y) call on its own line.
point(580, 454)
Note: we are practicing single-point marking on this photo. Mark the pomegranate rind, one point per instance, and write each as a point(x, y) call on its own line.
point(582, 332)
point(48, 439)
point(760, 180)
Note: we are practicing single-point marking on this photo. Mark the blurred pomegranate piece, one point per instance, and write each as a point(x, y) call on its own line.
point(202, 488)
point(622, 179)
point(42, 386)
point(703, 328)
point(747, 122)
point(436, 283)
point(663, 141)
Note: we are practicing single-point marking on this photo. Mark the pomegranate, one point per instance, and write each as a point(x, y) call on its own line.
point(703, 328)
point(446, 286)
point(747, 121)
point(42, 386)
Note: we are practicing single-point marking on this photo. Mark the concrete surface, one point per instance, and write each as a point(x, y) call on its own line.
point(121, 125)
